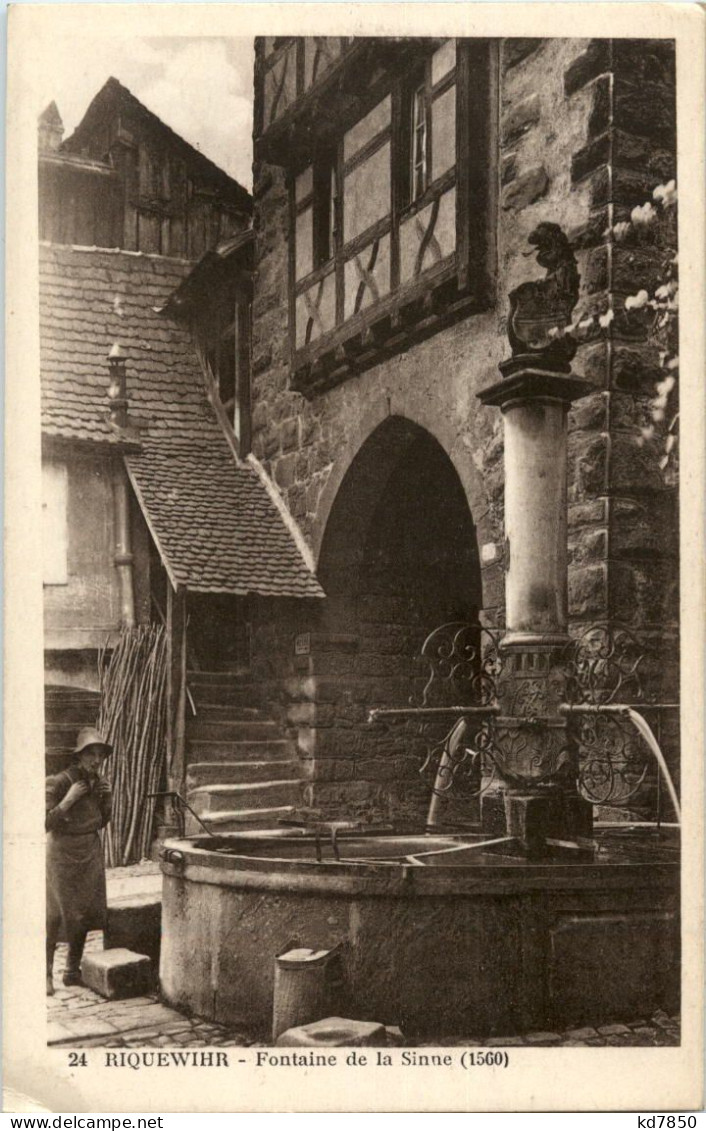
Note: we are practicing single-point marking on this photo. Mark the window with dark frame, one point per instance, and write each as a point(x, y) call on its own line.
point(398, 203)
point(414, 171)
point(419, 143)
point(324, 205)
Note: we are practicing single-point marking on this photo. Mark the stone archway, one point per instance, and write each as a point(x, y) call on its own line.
point(398, 558)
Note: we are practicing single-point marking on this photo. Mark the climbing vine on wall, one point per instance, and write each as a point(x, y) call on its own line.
point(654, 224)
point(651, 313)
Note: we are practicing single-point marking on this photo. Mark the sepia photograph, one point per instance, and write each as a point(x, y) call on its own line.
point(358, 415)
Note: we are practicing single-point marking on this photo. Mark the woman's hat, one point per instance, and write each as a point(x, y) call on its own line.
point(89, 736)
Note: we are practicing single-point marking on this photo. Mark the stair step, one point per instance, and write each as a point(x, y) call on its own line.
point(225, 694)
point(225, 773)
point(230, 820)
point(226, 730)
point(62, 733)
point(75, 713)
point(57, 694)
point(242, 770)
point(225, 678)
point(216, 798)
point(206, 750)
point(57, 760)
point(228, 712)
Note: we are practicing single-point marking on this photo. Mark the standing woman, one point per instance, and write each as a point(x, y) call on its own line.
point(78, 804)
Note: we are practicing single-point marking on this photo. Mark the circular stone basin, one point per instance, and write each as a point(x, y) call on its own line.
point(439, 934)
point(345, 848)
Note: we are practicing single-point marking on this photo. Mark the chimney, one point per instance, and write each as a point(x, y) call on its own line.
point(50, 129)
point(117, 389)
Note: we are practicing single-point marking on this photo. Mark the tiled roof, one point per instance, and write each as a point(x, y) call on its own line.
point(216, 524)
point(212, 518)
point(89, 298)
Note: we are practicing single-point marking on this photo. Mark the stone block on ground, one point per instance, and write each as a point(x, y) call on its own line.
point(117, 973)
point(135, 923)
point(334, 1032)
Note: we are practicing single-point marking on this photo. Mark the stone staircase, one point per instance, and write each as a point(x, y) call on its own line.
point(241, 771)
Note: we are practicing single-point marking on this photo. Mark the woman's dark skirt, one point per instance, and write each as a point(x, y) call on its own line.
point(76, 898)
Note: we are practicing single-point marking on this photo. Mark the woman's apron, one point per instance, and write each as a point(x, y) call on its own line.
point(76, 896)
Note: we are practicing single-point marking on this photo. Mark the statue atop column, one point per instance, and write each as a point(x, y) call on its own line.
point(534, 748)
point(540, 308)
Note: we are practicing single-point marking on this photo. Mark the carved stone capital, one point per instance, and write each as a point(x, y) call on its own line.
point(524, 382)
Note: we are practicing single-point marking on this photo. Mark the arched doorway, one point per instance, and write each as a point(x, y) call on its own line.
point(398, 558)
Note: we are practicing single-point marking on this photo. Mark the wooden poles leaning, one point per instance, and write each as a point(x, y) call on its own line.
point(133, 717)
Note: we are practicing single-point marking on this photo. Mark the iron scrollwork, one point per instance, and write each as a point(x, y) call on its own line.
point(613, 766)
point(462, 661)
point(603, 666)
point(532, 742)
point(461, 760)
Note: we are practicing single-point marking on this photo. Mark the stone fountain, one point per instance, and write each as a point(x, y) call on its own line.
point(445, 931)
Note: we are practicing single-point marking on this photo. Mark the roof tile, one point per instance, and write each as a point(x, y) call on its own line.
point(213, 520)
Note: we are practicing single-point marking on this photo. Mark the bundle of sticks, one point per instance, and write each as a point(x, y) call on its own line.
point(133, 716)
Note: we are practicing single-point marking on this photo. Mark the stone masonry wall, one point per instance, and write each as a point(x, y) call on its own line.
point(624, 538)
point(585, 131)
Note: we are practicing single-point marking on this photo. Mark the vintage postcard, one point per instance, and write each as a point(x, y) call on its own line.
point(354, 558)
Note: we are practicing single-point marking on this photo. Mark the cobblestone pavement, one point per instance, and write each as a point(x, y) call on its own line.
point(659, 1029)
point(145, 867)
point(134, 879)
point(79, 1018)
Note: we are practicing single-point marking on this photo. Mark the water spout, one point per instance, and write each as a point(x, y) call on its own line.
point(444, 773)
point(644, 729)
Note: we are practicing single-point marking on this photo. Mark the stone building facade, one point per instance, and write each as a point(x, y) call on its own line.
point(367, 358)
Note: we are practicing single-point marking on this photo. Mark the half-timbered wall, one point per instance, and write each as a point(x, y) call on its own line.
point(384, 198)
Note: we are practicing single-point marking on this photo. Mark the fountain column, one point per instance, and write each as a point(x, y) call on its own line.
point(534, 403)
point(533, 744)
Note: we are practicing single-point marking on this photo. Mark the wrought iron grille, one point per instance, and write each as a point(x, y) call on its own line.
point(464, 659)
point(461, 760)
point(602, 668)
point(461, 663)
point(606, 667)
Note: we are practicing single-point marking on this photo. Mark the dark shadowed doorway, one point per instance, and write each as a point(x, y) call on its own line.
point(399, 558)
